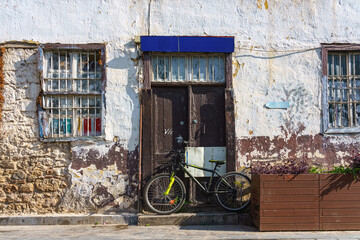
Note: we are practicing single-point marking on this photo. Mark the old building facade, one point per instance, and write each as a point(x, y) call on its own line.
point(88, 108)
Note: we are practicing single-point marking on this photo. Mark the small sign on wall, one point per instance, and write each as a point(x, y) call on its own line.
point(200, 156)
point(277, 105)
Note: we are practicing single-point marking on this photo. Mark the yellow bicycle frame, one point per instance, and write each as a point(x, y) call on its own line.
point(172, 180)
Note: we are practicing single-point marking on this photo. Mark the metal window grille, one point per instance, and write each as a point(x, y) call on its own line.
point(344, 89)
point(188, 68)
point(72, 93)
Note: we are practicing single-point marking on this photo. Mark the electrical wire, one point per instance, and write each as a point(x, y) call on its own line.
point(279, 51)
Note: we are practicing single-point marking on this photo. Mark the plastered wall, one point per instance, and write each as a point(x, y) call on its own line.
point(277, 58)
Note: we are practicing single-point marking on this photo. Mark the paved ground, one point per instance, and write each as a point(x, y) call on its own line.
point(80, 232)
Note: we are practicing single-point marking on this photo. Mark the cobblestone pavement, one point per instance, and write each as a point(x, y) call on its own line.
point(160, 232)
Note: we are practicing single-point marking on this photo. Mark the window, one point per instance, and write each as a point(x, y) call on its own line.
point(188, 68)
point(72, 92)
point(343, 90)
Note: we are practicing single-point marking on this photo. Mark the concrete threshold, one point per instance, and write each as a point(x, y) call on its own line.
point(94, 219)
point(201, 218)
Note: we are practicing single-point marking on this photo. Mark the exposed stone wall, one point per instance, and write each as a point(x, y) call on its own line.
point(33, 175)
point(40, 177)
point(103, 179)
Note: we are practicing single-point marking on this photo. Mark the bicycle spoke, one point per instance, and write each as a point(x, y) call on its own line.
point(161, 203)
point(233, 191)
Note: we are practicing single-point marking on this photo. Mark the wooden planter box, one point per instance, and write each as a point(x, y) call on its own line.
point(339, 202)
point(305, 202)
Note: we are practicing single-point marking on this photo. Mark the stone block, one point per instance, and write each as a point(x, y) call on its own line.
point(33, 91)
point(12, 198)
point(3, 179)
point(47, 185)
point(26, 197)
point(18, 175)
point(31, 178)
point(10, 188)
point(28, 105)
point(8, 165)
point(27, 188)
point(2, 196)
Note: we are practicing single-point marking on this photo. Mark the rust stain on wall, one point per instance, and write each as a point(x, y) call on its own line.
point(2, 81)
point(324, 149)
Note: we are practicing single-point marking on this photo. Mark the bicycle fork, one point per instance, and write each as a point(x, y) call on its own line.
point(172, 180)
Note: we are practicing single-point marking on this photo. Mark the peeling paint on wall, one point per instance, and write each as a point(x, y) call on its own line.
point(103, 179)
point(323, 150)
point(2, 82)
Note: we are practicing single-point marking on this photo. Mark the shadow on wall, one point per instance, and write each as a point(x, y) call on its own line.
point(130, 64)
point(104, 174)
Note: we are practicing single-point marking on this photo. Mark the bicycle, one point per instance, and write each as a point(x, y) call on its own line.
point(165, 193)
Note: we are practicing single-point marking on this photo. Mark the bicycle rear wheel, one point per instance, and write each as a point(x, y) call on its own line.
point(233, 191)
point(160, 203)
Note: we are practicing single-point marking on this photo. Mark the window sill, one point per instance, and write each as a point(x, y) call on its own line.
point(73, 139)
point(342, 130)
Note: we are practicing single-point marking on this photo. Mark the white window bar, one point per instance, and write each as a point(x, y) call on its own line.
point(342, 97)
point(75, 81)
point(188, 68)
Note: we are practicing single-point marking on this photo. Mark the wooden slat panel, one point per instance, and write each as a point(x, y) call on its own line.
point(340, 212)
point(340, 226)
point(351, 196)
point(290, 198)
point(293, 219)
point(335, 176)
point(289, 191)
point(340, 204)
point(289, 202)
point(289, 177)
point(340, 219)
point(292, 184)
point(292, 205)
point(289, 212)
point(289, 227)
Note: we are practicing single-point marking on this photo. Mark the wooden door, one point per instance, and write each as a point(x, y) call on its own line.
point(170, 107)
point(165, 108)
point(200, 108)
point(203, 113)
point(207, 116)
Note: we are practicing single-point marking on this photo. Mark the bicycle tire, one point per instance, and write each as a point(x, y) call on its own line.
point(157, 201)
point(233, 191)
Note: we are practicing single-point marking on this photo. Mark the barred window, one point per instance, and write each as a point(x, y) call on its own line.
point(72, 93)
point(188, 68)
point(343, 93)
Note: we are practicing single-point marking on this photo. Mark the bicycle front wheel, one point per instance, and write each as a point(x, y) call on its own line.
point(233, 191)
point(158, 201)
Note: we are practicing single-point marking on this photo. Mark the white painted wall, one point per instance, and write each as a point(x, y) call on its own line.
point(266, 65)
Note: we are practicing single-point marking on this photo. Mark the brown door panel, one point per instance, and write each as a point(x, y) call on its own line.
point(170, 107)
point(207, 116)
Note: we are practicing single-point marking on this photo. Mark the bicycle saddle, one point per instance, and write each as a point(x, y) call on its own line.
point(220, 162)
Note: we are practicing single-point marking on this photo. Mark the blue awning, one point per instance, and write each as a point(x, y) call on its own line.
point(187, 44)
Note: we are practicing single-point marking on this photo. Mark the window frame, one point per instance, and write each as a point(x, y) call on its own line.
point(73, 47)
point(188, 64)
point(325, 49)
